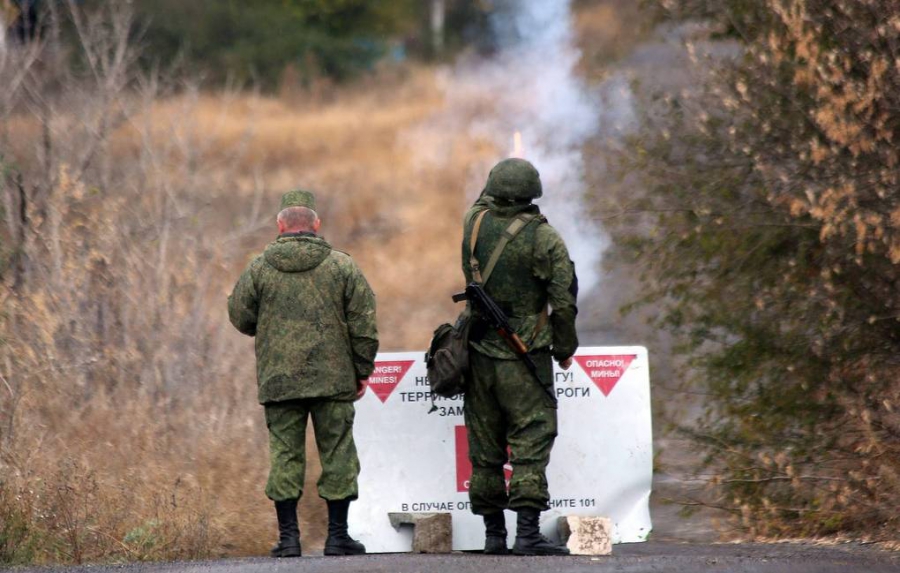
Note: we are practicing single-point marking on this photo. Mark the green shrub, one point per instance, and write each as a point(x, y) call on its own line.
point(244, 41)
point(17, 542)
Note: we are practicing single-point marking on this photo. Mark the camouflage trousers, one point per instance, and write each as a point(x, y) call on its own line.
point(504, 406)
point(333, 426)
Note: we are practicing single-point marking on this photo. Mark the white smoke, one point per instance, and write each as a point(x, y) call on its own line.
point(530, 85)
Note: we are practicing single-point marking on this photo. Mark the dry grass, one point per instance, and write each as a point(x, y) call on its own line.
point(142, 439)
point(129, 427)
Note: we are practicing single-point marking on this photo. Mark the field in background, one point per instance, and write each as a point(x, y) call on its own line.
point(192, 459)
point(130, 428)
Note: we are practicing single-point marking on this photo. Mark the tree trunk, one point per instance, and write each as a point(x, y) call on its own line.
point(438, 13)
point(2, 34)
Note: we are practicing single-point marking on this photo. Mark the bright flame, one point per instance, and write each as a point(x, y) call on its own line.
point(517, 145)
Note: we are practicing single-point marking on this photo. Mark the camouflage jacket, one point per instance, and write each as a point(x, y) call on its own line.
point(313, 315)
point(534, 270)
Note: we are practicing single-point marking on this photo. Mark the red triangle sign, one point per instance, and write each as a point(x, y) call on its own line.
point(605, 370)
point(386, 377)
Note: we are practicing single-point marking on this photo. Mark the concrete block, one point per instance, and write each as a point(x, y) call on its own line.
point(586, 535)
point(432, 532)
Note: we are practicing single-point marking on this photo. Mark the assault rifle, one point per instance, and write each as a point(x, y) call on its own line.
point(498, 320)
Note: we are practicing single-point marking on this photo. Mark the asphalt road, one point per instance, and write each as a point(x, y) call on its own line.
point(632, 558)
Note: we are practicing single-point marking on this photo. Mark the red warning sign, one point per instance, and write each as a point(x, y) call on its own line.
point(386, 377)
point(464, 465)
point(605, 370)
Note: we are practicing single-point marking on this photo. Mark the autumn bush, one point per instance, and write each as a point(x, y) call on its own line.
point(764, 216)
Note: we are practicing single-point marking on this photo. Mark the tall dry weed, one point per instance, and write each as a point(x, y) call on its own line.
point(129, 427)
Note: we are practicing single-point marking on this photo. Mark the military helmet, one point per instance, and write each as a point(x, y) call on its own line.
point(298, 198)
point(514, 180)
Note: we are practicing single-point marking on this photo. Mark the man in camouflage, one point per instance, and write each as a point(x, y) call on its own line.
point(313, 315)
point(504, 403)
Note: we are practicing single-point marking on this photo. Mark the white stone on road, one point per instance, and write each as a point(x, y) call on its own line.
point(586, 535)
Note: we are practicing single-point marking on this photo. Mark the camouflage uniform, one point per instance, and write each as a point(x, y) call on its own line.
point(313, 315)
point(504, 405)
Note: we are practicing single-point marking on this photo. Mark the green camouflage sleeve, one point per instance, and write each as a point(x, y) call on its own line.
point(359, 304)
point(243, 304)
point(554, 265)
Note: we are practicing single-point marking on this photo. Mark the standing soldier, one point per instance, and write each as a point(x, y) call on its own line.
point(313, 315)
point(505, 405)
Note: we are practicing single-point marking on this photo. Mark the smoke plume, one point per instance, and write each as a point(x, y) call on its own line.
point(530, 85)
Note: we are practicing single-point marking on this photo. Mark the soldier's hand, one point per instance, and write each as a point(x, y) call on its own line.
point(566, 363)
point(361, 388)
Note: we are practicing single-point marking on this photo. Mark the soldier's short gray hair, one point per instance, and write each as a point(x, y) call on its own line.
point(299, 218)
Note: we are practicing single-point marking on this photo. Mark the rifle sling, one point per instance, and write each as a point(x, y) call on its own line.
point(513, 229)
point(473, 262)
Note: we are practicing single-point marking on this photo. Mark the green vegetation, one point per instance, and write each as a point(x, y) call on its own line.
point(17, 545)
point(260, 41)
point(257, 40)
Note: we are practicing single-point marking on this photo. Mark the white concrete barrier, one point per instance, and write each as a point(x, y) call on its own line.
point(413, 461)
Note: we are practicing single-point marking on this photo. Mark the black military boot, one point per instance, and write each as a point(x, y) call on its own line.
point(495, 534)
point(288, 530)
point(529, 540)
point(339, 541)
